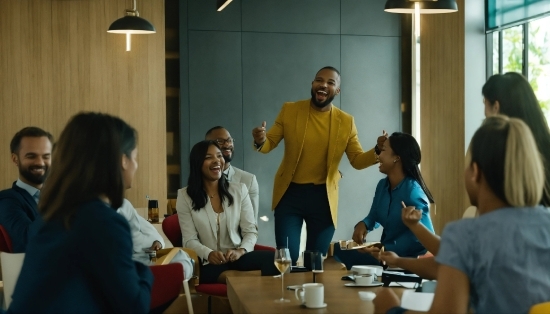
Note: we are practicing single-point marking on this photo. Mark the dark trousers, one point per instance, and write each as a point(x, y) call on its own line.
point(255, 260)
point(309, 203)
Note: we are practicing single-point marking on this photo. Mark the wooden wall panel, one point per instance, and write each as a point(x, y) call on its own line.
point(442, 112)
point(57, 59)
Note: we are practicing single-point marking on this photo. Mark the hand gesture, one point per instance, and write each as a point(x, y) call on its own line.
point(372, 250)
point(390, 258)
point(156, 246)
point(359, 233)
point(233, 255)
point(381, 139)
point(385, 299)
point(259, 134)
point(216, 258)
point(410, 215)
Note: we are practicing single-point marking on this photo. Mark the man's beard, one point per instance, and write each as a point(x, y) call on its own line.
point(228, 158)
point(320, 104)
point(33, 178)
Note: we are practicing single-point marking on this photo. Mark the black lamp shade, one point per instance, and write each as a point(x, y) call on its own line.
point(131, 25)
point(426, 7)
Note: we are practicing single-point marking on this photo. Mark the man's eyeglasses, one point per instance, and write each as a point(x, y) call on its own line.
point(222, 141)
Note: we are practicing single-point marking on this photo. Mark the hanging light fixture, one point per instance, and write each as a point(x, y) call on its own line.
point(130, 24)
point(425, 7)
point(221, 4)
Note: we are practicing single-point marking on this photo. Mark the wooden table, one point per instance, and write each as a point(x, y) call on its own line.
point(257, 294)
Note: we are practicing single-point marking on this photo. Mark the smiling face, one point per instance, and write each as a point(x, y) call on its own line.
point(224, 139)
point(129, 167)
point(388, 159)
point(33, 160)
point(213, 164)
point(324, 88)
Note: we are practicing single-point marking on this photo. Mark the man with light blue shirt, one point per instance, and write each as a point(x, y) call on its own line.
point(31, 150)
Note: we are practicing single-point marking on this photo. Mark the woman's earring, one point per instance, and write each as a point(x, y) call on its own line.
point(395, 161)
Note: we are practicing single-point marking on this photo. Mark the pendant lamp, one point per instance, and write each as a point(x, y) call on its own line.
point(131, 23)
point(221, 4)
point(426, 7)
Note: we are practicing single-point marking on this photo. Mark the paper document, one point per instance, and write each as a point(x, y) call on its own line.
point(416, 301)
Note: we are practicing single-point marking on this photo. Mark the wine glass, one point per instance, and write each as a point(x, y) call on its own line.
point(282, 262)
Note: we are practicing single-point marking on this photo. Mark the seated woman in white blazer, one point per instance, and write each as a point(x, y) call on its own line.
point(217, 219)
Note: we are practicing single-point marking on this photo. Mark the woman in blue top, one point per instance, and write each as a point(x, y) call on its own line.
point(497, 262)
point(79, 259)
point(399, 159)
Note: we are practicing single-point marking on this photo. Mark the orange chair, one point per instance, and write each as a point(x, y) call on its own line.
point(541, 308)
point(5, 241)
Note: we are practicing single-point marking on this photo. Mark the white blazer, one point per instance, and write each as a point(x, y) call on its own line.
point(235, 174)
point(198, 227)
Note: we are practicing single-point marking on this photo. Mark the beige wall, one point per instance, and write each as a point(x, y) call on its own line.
point(57, 59)
point(442, 112)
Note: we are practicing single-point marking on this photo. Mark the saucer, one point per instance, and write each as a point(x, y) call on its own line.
point(315, 307)
point(374, 284)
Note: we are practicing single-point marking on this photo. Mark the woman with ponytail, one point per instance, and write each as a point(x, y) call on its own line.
point(498, 262)
point(399, 160)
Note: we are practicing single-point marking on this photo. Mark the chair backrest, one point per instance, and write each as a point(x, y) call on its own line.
point(541, 308)
point(11, 267)
point(5, 241)
point(167, 284)
point(171, 228)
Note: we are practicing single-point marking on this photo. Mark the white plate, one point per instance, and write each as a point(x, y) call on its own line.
point(374, 284)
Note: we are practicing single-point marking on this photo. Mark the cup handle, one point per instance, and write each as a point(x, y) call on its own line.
point(297, 295)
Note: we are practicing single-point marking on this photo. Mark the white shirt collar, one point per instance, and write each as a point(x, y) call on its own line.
point(31, 189)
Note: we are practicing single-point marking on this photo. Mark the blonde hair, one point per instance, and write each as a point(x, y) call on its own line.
point(518, 178)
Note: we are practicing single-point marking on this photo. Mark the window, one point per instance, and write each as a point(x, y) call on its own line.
point(524, 48)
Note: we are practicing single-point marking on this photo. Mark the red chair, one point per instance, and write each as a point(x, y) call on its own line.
point(171, 228)
point(5, 241)
point(166, 286)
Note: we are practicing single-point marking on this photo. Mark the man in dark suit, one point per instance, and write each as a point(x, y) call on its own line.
point(31, 150)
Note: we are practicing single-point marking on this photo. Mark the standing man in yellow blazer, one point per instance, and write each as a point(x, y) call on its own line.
point(316, 135)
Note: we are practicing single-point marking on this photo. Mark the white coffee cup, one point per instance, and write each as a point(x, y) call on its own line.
point(313, 295)
point(362, 280)
point(379, 270)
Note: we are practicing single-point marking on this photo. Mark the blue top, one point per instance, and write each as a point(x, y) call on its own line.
point(506, 256)
point(386, 210)
point(86, 268)
point(18, 210)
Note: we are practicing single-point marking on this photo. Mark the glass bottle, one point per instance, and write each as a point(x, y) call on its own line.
point(153, 211)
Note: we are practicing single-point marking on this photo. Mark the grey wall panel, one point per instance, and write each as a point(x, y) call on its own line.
point(291, 16)
point(371, 93)
point(215, 85)
point(360, 17)
point(277, 68)
point(202, 15)
point(239, 78)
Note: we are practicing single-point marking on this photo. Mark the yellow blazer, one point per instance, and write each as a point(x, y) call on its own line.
point(291, 124)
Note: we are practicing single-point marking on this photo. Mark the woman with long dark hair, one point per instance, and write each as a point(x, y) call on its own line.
point(399, 160)
point(478, 257)
point(217, 219)
point(511, 94)
point(80, 257)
